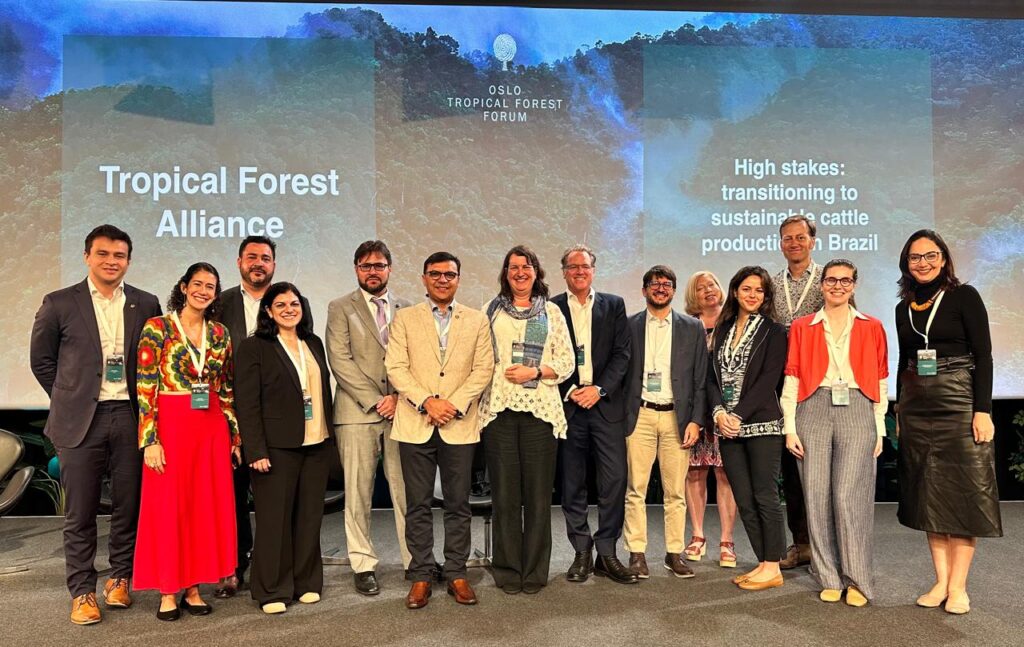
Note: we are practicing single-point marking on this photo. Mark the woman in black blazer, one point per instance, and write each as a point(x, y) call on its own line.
point(746, 367)
point(283, 403)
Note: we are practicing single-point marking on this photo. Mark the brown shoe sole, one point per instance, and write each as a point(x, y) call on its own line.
point(86, 622)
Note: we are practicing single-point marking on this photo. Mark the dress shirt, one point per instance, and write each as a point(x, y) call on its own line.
point(582, 315)
point(110, 321)
point(442, 323)
point(784, 282)
point(251, 305)
point(386, 296)
point(658, 357)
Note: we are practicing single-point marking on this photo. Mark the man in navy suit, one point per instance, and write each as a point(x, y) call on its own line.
point(593, 401)
point(83, 353)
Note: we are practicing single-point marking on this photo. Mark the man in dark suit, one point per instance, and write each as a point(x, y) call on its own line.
point(240, 305)
point(665, 408)
point(83, 353)
point(593, 401)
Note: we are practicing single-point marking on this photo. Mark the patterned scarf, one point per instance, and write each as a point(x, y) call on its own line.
point(537, 310)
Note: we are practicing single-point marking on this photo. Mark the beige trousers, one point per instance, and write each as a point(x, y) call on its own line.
point(656, 436)
point(360, 446)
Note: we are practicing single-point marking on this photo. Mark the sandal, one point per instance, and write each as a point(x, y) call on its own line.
point(727, 556)
point(696, 548)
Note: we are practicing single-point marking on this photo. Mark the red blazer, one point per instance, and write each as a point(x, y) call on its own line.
point(808, 354)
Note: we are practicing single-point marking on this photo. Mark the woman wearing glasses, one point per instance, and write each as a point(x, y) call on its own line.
point(944, 403)
point(834, 401)
point(522, 416)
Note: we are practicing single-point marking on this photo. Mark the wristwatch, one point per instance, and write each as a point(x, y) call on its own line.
point(540, 373)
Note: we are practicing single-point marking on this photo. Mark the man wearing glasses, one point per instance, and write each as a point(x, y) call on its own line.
point(796, 295)
point(593, 402)
point(440, 360)
point(364, 405)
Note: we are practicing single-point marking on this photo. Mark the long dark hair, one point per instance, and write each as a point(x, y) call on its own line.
point(540, 288)
point(266, 327)
point(946, 279)
point(731, 309)
point(176, 302)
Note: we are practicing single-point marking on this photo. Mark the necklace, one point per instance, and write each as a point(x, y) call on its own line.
point(919, 307)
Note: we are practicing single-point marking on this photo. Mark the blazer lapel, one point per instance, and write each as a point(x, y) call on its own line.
point(84, 301)
point(131, 311)
point(369, 319)
point(288, 366)
point(453, 335)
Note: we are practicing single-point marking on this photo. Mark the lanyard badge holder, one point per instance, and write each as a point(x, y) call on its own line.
point(927, 358)
point(201, 395)
point(114, 368)
point(300, 368)
point(581, 355)
point(201, 389)
point(840, 388)
point(307, 405)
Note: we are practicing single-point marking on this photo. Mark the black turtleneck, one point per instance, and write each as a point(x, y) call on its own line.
point(960, 328)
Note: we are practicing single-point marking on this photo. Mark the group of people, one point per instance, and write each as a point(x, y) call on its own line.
point(770, 378)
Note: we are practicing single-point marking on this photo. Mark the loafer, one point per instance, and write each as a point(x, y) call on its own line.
point(855, 598)
point(530, 588)
point(366, 583)
point(741, 578)
point(115, 593)
point(273, 608)
point(512, 588)
point(609, 566)
point(227, 587)
point(762, 585)
point(460, 589)
point(582, 567)
point(830, 595)
point(674, 563)
point(168, 616)
point(419, 595)
point(638, 565)
point(84, 610)
point(195, 609)
point(310, 597)
point(796, 555)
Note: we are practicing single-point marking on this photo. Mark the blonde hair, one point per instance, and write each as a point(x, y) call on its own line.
point(692, 304)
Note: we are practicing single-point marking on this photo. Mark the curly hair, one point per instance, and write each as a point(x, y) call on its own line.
point(176, 301)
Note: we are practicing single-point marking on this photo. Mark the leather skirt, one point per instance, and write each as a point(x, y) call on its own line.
point(947, 481)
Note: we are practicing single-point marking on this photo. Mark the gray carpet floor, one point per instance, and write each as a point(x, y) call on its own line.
point(664, 610)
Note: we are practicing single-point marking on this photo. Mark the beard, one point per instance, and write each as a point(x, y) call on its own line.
point(383, 285)
point(650, 298)
point(259, 283)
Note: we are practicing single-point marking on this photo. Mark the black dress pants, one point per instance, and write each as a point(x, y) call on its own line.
point(420, 462)
point(111, 445)
point(793, 489)
point(752, 465)
point(590, 432)
point(521, 451)
point(242, 521)
point(289, 509)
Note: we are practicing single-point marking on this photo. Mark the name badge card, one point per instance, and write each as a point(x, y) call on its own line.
point(728, 392)
point(581, 355)
point(518, 352)
point(840, 393)
point(307, 406)
point(927, 362)
point(201, 396)
point(114, 370)
point(654, 382)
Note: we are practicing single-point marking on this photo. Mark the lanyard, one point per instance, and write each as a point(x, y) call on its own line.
point(730, 353)
point(300, 365)
point(803, 295)
point(442, 333)
point(112, 330)
point(656, 348)
point(584, 314)
point(931, 318)
point(832, 347)
point(198, 361)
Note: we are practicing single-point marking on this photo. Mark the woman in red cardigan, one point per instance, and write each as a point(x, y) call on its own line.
point(834, 404)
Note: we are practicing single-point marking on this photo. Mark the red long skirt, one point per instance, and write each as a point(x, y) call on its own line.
point(187, 514)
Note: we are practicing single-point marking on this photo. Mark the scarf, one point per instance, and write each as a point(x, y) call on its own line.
point(537, 311)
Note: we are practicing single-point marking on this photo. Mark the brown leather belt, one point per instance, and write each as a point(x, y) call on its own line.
point(657, 407)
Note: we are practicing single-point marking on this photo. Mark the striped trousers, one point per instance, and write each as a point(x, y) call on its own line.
point(838, 475)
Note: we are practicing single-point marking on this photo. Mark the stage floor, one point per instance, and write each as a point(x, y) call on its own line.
point(664, 610)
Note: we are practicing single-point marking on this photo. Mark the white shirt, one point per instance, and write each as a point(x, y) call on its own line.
point(110, 321)
point(373, 306)
point(658, 358)
point(582, 315)
point(252, 311)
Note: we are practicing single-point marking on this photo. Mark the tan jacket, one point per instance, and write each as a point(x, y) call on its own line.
point(416, 371)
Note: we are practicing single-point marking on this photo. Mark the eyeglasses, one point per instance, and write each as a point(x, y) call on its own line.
point(574, 268)
point(366, 267)
point(831, 282)
point(520, 268)
point(664, 285)
point(929, 257)
point(434, 275)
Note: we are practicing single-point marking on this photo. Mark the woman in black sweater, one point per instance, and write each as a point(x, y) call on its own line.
point(944, 395)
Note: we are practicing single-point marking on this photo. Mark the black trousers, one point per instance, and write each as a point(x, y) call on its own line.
point(793, 489)
point(590, 433)
point(289, 509)
point(111, 445)
point(752, 465)
point(242, 520)
point(521, 453)
point(419, 465)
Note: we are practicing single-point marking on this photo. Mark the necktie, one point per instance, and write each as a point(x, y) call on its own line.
point(382, 320)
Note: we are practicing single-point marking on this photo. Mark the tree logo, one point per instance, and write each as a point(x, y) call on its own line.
point(504, 49)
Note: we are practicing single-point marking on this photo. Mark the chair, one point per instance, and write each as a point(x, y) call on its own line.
point(11, 451)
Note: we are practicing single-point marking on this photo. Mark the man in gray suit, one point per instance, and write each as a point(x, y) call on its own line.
point(83, 353)
point(364, 405)
point(665, 408)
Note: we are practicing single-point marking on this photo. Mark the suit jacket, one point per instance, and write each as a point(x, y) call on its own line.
point(689, 370)
point(356, 356)
point(232, 313)
point(67, 358)
point(609, 354)
point(268, 395)
point(759, 400)
point(416, 370)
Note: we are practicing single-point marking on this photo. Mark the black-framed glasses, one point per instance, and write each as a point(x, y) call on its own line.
point(434, 275)
point(366, 267)
point(664, 285)
point(831, 282)
point(928, 257)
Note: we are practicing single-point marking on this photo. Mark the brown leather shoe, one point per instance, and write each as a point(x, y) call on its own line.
point(796, 555)
point(84, 610)
point(418, 596)
point(115, 593)
point(638, 564)
point(460, 589)
point(674, 562)
point(754, 585)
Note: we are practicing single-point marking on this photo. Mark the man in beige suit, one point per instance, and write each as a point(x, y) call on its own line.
point(440, 360)
point(364, 405)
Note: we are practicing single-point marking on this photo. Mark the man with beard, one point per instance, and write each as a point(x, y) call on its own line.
point(257, 260)
point(364, 405)
point(665, 407)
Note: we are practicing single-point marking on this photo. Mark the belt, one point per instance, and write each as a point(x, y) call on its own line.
point(657, 407)
point(113, 403)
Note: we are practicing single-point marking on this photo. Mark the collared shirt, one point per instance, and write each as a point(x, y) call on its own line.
point(658, 358)
point(252, 310)
point(582, 315)
point(110, 321)
point(813, 302)
point(442, 323)
point(373, 306)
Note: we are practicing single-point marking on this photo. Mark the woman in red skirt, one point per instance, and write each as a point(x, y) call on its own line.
point(189, 435)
